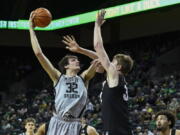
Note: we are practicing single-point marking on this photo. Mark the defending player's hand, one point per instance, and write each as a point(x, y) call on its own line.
point(31, 24)
point(90, 72)
point(71, 43)
point(99, 68)
point(95, 64)
point(100, 17)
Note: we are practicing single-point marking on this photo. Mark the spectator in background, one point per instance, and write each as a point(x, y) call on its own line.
point(165, 121)
point(29, 126)
point(174, 104)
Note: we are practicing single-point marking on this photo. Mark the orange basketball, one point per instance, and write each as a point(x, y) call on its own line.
point(42, 17)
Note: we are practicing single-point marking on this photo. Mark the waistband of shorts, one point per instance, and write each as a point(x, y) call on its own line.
point(66, 118)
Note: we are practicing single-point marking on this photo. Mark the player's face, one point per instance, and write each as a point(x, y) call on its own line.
point(73, 64)
point(30, 127)
point(162, 123)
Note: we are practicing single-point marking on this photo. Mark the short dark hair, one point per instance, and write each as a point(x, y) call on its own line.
point(170, 116)
point(65, 61)
point(125, 61)
point(29, 120)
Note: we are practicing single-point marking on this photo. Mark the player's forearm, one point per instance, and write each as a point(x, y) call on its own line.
point(34, 42)
point(89, 53)
point(91, 71)
point(98, 42)
point(98, 46)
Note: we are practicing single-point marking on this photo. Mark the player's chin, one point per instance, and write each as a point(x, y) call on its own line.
point(77, 69)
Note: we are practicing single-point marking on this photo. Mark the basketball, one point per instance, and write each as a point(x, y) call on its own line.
point(42, 17)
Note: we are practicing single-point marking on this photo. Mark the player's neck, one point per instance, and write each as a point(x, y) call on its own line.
point(166, 132)
point(71, 73)
point(29, 133)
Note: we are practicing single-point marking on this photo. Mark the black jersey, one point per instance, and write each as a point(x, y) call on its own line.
point(115, 114)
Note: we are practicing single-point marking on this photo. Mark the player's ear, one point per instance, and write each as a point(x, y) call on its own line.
point(66, 66)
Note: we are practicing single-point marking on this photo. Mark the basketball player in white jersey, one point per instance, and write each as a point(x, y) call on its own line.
point(70, 89)
point(29, 126)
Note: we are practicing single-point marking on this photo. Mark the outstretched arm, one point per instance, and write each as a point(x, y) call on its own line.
point(112, 73)
point(90, 72)
point(45, 63)
point(98, 42)
point(73, 46)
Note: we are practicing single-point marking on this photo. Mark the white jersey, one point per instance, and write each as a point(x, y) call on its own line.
point(70, 101)
point(70, 96)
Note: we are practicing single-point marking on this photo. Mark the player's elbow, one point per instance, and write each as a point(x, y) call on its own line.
point(38, 53)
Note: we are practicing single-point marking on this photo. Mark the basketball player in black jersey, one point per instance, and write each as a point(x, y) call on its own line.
point(29, 126)
point(165, 121)
point(115, 114)
point(85, 130)
point(115, 93)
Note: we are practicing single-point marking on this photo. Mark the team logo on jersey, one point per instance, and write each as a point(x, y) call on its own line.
point(72, 86)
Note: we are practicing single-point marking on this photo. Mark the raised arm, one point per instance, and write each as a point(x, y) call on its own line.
point(98, 42)
point(90, 72)
point(112, 73)
point(45, 63)
point(73, 46)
